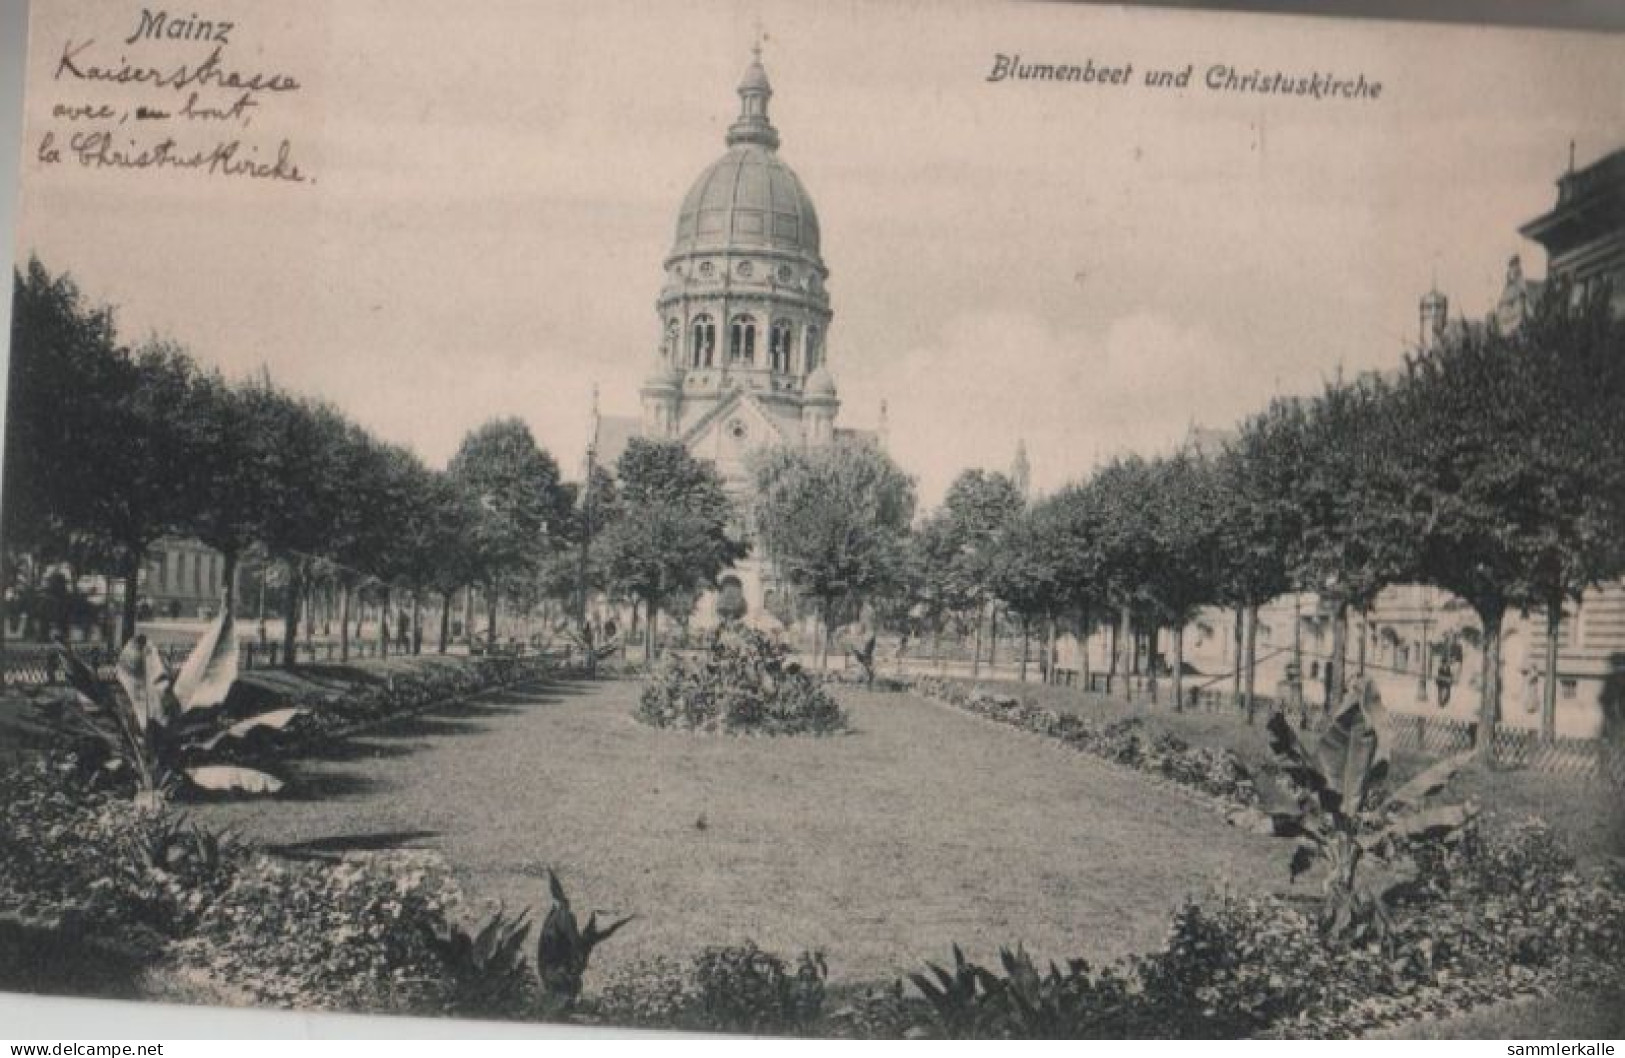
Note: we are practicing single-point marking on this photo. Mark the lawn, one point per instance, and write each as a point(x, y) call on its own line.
point(921, 828)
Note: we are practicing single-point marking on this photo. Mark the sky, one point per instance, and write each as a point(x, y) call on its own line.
point(1087, 269)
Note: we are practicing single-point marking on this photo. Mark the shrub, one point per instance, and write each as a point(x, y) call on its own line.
point(973, 1002)
point(655, 993)
point(1235, 969)
point(745, 989)
point(359, 933)
point(1215, 771)
point(745, 683)
point(85, 860)
point(723, 989)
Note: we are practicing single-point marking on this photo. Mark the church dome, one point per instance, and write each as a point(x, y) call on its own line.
point(749, 197)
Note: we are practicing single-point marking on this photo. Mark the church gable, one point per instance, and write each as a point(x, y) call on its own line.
point(729, 431)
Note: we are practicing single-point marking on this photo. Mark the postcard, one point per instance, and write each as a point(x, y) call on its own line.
point(989, 521)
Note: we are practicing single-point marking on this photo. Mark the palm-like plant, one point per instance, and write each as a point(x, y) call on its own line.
point(1342, 812)
point(168, 728)
point(563, 947)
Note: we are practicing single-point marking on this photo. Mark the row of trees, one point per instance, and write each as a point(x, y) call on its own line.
point(110, 448)
point(1493, 467)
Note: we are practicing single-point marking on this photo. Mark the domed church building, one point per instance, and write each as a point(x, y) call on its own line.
point(744, 323)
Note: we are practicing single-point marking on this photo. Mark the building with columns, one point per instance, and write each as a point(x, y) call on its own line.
point(744, 316)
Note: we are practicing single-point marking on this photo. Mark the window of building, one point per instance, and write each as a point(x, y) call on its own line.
point(703, 341)
point(809, 355)
point(1570, 689)
point(742, 340)
point(779, 346)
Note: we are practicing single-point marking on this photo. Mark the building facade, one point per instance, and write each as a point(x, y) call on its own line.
point(744, 315)
point(182, 579)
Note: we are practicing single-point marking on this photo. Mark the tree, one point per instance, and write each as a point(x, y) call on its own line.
point(1024, 572)
point(671, 536)
point(1256, 524)
point(1182, 540)
point(1352, 534)
point(1511, 454)
point(1071, 519)
point(1574, 350)
point(978, 506)
point(1123, 491)
point(522, 507)
point(66, 376)
point(832, 520)
point(945, 597)
point(140, 492)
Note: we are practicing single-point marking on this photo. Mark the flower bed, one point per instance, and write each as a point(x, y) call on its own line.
point(744, 684)
point(1218, 773)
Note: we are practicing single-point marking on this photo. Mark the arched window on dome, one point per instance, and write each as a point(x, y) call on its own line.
point(810, 351)
point(779, 346)
point(742, 340)
point(702, 341)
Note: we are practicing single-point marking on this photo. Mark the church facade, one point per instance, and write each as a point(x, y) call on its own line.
point(744, 316)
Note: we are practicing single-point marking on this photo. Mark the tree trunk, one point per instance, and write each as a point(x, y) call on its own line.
point(1238, 651)
point(1022, 668)
point(1548, 692)
point(344, 622)
point(936, 645)
point(1489, 708)
point(1049, 648)
point(1340, 638)
point(383, 624)
point(650, 623)
point(417, 626)
point(976, 650)
point(1083, 646)
point(491, 619)
point(1179, 665)
point(1365, 634)
point(1112, 651)
point(132, 594)
point(445, 622)
point(228, 585)
point(290, 614)
point(1250, 700)
point(468, 614)
point(1123, 644)
point(993, 643)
